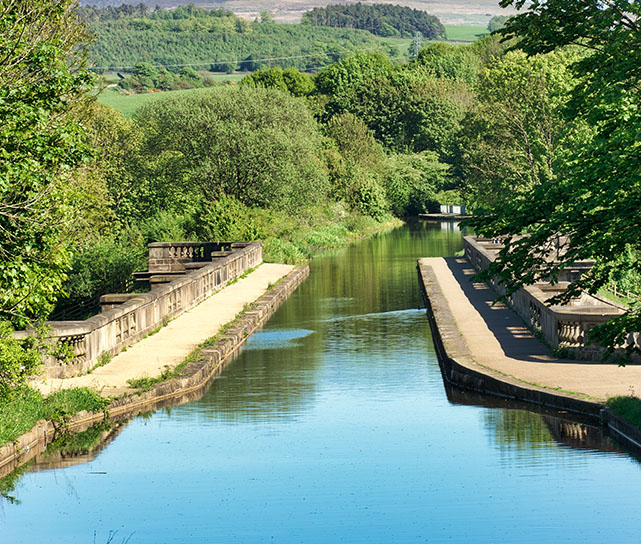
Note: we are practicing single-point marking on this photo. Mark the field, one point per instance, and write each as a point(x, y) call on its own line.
point(465, 33)
point(127, 104)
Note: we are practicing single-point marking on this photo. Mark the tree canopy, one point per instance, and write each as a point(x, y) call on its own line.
point(42, 76)
point(258, 145)
point(379, 19)
point(592, 208)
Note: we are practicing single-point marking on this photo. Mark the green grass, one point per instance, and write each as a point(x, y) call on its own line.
point(20, 413)
point(147, 383)
point(295, 239)
point(628, 408)
point(127, 104)
point(399, 47)
point(609, 295)
point(465, 33)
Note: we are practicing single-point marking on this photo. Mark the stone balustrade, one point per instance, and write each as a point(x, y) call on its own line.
point(127, 318)
point(562, 326)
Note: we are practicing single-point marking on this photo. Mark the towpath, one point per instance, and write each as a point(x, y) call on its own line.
point(497, 339)
point(174, 342)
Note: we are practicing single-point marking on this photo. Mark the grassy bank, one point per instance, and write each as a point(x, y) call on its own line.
point(127, 104)
point(20, 413)
point(628, 408)
point(294, 239)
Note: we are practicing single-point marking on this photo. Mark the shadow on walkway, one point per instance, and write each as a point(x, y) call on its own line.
point(516, 340)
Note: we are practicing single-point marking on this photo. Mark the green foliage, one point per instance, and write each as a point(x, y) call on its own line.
point(356, 165)
point(42, 76)
point(168, 226)
point(366, 196)
point(190, 75)
point(147, 77)
point(409, 110)
point(19, 413)
point(19, 359)
point(412, 182)
point(104, 264)
point(628, 408)
point(290, 80)
point(515, 138)
point(442, 60)
point(379, 19)
point(257, 145)
point(146, 383)
point(596, 200)
point(214, 38)
point(225, 219)
point(497, 22)
point(340, 79)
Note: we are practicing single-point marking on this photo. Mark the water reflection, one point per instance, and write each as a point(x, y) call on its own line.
point(333, 426)
point(517, 429)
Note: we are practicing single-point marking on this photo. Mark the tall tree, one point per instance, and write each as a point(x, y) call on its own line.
point(42, 76)
point(596, 202)
point(516, 137)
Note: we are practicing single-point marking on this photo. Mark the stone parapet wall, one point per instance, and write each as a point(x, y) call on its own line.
point(126, 319)
point(168, 257)
point(563, 326)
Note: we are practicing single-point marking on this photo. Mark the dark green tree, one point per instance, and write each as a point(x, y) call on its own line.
point(260, 146)
point(592, 209)
point(42, 77)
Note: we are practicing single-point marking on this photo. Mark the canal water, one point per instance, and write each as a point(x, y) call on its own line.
point(333, 425)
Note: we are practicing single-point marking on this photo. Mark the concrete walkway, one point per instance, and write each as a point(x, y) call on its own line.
point(174, 342)
point(497, 339)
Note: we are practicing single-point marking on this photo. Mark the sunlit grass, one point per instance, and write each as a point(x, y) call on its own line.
point(628, 408)
point(26, 407)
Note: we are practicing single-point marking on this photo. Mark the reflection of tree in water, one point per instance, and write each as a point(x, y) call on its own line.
point(518, 430)
point(66, 450)
point(379, 274)
point(348, 302)
point(268, 383)
point(521, 431)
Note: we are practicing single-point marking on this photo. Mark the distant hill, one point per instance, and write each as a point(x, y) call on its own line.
point(379, 19)
point(215, 39)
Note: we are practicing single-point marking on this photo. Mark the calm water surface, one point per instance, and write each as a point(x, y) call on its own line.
point(333, 425)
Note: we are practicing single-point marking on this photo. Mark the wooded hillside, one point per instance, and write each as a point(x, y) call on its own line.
point(128, 35)
point(379, 19)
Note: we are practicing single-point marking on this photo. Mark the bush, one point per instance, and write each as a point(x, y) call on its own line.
point(19, 359)
point(225, 219)
point(366, 196)
point(169, 226)
point(101, 265)
point(413, 181)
